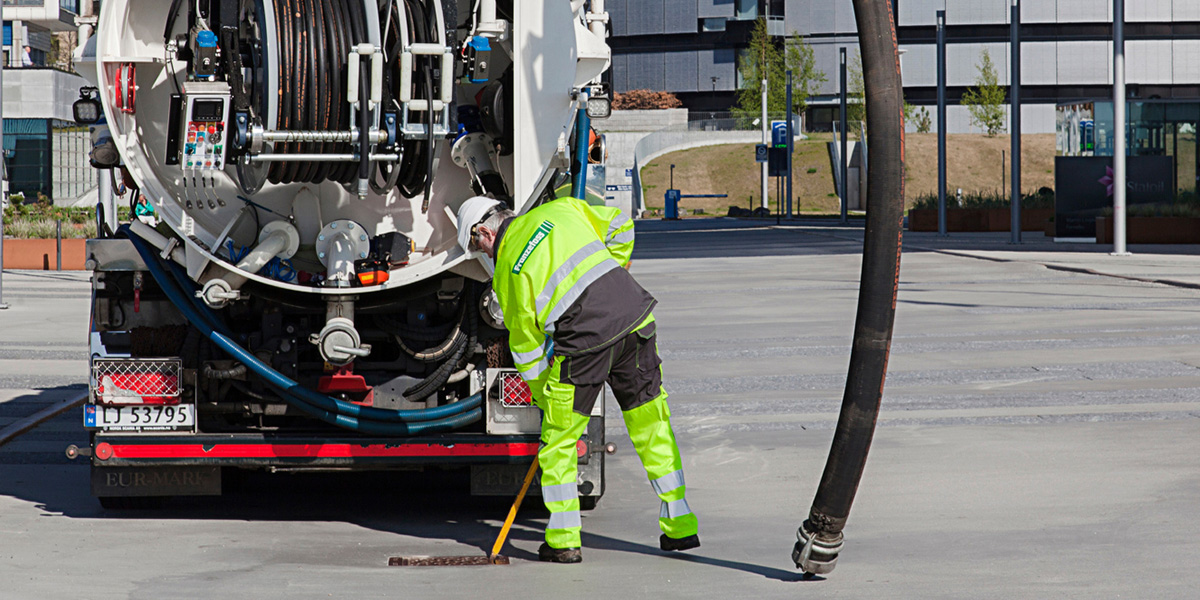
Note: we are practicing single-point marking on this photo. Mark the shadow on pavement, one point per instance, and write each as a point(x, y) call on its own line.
point(433, 506)
point(592, 540)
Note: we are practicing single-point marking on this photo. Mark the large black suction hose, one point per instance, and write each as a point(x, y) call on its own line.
point(820, 537)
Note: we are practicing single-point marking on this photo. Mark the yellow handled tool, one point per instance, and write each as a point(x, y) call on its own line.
point(495, 558)
point(512, 515)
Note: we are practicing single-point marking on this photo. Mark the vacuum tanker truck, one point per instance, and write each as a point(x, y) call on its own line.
point(299, 302)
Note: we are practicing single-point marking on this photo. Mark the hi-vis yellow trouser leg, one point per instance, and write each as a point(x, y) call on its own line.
point(634, 371)
point(561, 429)
point(650, 430)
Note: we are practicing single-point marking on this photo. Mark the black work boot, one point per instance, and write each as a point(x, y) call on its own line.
point(685, 543)
point(560, 555)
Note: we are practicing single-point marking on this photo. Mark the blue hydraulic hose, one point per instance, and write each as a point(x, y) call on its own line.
point(583, 128)
point(330, 410)
point(287, 385)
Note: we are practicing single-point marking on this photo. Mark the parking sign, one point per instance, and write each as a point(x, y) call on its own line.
point(779, 134)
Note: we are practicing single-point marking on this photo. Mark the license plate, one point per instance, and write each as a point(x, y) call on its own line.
point(178, 417)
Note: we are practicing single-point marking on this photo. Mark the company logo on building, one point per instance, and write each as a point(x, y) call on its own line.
point(1133, 186)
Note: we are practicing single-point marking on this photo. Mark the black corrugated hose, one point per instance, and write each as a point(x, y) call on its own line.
point(315, 38)
point(462, 353)
point(821, 534)
point(450, 344)
point(416, 164)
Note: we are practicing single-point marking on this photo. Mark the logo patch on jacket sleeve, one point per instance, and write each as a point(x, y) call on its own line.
point(542, 232)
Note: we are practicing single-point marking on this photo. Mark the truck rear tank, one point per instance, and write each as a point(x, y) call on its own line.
point(299, 300)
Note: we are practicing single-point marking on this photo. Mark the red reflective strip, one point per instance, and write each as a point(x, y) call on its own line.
point(320, 450)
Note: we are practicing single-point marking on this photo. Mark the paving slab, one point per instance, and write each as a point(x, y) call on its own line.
point(1038, 439)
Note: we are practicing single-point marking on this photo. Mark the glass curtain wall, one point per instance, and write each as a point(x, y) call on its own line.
point(48, 157)
point(1153, 128)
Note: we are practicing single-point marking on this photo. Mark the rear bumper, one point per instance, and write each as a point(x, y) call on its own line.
point(251, 450)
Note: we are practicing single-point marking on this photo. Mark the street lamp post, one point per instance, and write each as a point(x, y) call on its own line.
point(844, 168)
point(790, 144)
point(766, 139)
point(1015, 120)
point(1119, 128)
point(3, 177)
point(941, 119)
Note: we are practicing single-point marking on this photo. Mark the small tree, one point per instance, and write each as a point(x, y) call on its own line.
point(806, 77)
point(985, 101)
point(761, 60)
point(856, 96)
point(918, 116)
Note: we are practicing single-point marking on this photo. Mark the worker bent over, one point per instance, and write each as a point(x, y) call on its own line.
point(576, 319)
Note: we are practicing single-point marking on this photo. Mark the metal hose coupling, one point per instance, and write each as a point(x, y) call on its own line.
point(815, 552)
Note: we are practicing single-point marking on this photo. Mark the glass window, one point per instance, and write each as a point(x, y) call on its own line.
point(746, 9)
point(714, 24)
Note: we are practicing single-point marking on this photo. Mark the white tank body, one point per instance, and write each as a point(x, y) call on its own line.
point(552, 54)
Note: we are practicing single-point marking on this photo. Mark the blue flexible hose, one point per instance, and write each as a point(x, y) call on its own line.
point(330, 410)
point(287, 385)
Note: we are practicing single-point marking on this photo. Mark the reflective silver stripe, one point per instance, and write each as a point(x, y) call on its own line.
point(564, 271)
point(577, 288)
point(674, 509)
point(533, 372)
point(621, 238)
point(528, 357)
point(563, 520)
point(560, 493)
point(668, 482)
point(616, 224)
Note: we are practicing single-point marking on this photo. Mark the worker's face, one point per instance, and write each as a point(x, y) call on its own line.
point(485, 240)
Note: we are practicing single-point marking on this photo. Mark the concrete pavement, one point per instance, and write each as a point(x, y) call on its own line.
point(1038, 439)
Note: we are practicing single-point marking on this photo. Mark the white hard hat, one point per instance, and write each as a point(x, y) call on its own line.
point(470, 214)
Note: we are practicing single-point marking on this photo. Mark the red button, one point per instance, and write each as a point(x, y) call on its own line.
point(212, 129)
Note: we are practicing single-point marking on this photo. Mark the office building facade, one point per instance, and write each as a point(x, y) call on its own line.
point(1066, 50)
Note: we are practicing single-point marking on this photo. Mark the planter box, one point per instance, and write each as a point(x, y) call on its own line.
point(1151, 230)
point(978, 219)
point(42, 254)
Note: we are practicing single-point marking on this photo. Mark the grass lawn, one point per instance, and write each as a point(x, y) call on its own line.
point(973, 163)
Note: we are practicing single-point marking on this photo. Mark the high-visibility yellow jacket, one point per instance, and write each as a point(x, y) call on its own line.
point(561, 285)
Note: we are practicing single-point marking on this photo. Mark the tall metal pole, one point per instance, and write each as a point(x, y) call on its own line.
point(789, 143)
point(3, 177)
point(1119, 128)
point(941, 119)
point(766, 138)
point(844, 167)
point(1015, 120)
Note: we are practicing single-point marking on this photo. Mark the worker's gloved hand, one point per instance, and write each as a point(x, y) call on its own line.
point(549, 349)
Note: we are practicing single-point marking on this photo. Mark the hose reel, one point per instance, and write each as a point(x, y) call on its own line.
point(319, 94)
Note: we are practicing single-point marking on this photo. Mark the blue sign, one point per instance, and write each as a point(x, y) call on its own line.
point(629, 172)
point(779, 134)
point(619, 188)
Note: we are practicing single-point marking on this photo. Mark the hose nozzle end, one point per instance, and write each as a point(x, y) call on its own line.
point(816, 553)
